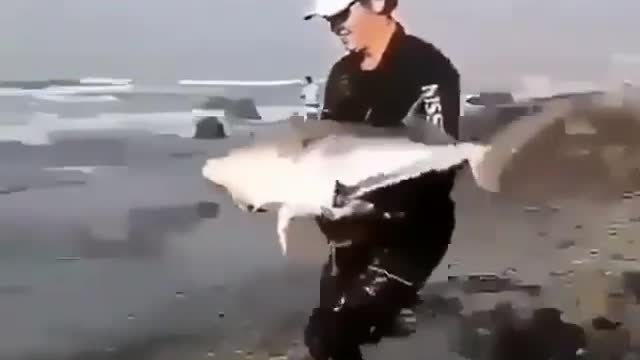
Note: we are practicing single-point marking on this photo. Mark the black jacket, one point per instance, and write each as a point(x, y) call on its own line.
point(382, 97)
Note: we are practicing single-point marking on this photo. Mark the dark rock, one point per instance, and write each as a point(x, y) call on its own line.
point(617, 257)
point(565, 244)
point(486, 283)
point(185, 155)
point(12, 189)
point(631, 283)
point(532, 290)
point(244, 108)
point(207, 210)
point(602, 323)
point(210, 128)
point(440, 305)
point(607, 339)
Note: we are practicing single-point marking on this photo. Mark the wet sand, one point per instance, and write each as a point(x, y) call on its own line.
point(136, 260)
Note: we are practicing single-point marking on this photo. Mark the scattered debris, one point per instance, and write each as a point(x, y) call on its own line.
point(68, 258)
point(617, 257)
point(185, 155)
point(565, 244)
point(493, 283)
point(622, 257)
point(627, 195)
point(559, 273)
point(532, 290)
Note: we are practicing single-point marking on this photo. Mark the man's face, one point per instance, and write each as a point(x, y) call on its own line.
point(354, 26)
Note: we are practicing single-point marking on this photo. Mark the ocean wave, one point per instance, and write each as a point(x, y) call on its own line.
point(105, 80)
point(39, 128)
point(41, 84)
point(75, 98)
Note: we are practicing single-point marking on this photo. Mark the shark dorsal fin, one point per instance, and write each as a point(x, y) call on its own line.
point(419, 129)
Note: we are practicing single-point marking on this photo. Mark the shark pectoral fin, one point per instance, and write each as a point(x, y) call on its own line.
point(354, 208)
point(341, 193)
point(269, 207)
point(327, 213)
point(284, 219)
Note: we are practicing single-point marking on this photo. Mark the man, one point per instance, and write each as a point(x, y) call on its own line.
point(378, 265)
point(310, 98)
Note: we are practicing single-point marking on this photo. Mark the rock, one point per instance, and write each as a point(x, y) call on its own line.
point(439, 305)
point(210, 128)
point(207, 210)
point(12, 189)
point(565, 244)
point(244, 108)
point(617, 257)
point(607, 339)
point(486, 283)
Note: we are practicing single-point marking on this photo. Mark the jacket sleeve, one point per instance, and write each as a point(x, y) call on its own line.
point(440, 91)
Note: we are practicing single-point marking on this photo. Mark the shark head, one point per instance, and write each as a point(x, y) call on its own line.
point(227, 177)
point(241, 175)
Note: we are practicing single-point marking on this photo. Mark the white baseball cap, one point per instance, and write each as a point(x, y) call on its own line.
point(326, 8)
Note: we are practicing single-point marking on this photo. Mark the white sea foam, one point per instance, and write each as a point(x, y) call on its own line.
point(75, 98)
point(37, 129)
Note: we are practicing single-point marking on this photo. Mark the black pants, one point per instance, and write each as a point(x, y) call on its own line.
point(374, 282)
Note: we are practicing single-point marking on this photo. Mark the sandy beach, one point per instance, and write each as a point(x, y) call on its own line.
point(114, 247)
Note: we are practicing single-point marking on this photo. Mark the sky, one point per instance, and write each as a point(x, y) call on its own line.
point(160, 41)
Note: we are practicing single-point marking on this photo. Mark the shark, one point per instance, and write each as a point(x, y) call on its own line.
point(327, 168)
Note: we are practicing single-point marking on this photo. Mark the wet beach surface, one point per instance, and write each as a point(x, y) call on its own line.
point(114, 247)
